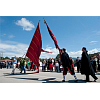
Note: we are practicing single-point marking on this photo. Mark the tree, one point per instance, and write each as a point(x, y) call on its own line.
point(1, 58)
point(58, 56)
point(6, 58)
point(12, 58)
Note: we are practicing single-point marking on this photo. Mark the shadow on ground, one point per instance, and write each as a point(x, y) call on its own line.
point(25, 78)
point(51, 80)
point(47, 80)
point(70, 81)
point(8, 74)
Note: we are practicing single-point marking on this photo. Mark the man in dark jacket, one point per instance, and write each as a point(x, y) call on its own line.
point(86, 67)
point(78, 64)
point(66, 65)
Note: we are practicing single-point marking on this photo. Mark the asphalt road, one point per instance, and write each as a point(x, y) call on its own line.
point(41, 77)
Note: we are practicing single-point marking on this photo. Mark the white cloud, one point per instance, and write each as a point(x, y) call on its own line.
point(93, 41)
point(78, 53)
point(26, 24)
point(49, 55)
point(94, 50)
point(75, 53)
point(11, 36)
point(11, 48)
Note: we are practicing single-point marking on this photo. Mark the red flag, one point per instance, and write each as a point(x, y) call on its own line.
point(35, 47)
point(52, 36)
point(45, 51)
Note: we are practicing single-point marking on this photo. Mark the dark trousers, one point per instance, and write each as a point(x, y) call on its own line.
point(94, 69)
point(78, 69)
point(88, 79)
point(59, 69)
point(1, 66)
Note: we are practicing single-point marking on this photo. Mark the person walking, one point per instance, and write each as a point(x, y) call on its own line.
point(66, 65)
point(24, 66)
point(21, 64)
point(86, 66)
point(14, 64)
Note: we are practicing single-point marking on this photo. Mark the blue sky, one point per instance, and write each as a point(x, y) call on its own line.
point(71, 32)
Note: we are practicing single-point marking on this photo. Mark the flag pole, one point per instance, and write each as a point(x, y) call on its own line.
point(23, 55)
point(38, 61)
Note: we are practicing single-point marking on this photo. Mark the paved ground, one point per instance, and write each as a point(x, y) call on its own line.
point(41, 77)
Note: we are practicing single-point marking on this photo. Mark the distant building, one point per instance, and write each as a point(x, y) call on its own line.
point(6, 60)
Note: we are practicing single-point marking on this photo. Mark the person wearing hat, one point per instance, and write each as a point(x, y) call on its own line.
point(65, 60)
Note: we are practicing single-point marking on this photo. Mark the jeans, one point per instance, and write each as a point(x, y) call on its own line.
point(14, 67)
point(56, 68)
point(23, 68)
point(29, 67)
point(42, 68)
point(11, 66)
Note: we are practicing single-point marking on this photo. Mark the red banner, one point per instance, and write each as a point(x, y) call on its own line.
point(52, 36)
point(35, 47)
point(45, 51)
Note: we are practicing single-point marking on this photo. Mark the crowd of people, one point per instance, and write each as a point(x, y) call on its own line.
point(54, 64)
point(6, 64)
point(95, 62)
point(50, 64)
point(85, 65)
point(21, 65)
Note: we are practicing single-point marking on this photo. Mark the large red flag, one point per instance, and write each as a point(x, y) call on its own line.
point(35, 47)
point(52, 36)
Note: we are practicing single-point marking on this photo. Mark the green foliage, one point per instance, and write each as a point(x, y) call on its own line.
point(12, 58)
point(6, 58)
point(95, 54)
point(1, 58)
point(58, 56)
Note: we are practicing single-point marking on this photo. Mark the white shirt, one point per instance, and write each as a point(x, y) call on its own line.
point(43, 64)
point(56, 64)
point(18, 63)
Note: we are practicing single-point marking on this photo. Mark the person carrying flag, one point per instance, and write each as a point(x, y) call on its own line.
point(65, 60)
